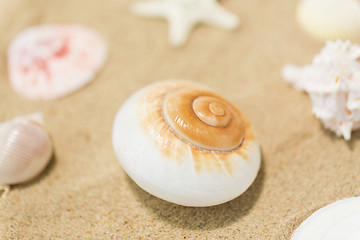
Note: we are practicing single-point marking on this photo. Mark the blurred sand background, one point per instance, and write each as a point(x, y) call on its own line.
point(85, 194)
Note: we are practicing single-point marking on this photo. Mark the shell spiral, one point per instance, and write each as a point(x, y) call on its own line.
point(203, 119)
point(183, 143)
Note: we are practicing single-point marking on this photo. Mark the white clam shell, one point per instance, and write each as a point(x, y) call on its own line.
point(330, 19)
point(338, 220)
point(175, 170)
point(25, 149)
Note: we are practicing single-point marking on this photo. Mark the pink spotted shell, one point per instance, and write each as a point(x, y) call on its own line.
point(50, 61)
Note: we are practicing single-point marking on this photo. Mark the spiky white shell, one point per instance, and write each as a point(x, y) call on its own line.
point(338, 220)
point(333, 84)
point(330, 19)
point(25, 149)
point(167, 164)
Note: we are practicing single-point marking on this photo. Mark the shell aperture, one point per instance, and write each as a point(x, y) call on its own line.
point(172, 165)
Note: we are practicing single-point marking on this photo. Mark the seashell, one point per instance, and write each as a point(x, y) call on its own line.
point(330, 19)
point(338, 220)
point(185, 144)
point(25, 149)
point(51, 61)
point(333, 84)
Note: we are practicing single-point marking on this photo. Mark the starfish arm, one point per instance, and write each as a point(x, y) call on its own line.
point(179, 31)
point(222, 18)
point(156, 8)
point(183, 15)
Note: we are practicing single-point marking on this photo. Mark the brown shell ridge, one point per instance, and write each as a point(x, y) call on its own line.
point(198, 148)
point(174, 147)
point(170, 129)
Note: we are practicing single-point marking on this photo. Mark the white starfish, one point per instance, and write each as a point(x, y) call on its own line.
point(183, 15)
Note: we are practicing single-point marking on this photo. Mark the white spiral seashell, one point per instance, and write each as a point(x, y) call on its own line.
point(25, 149)
point(330, 19)
point(338, 220)
point(185, 144)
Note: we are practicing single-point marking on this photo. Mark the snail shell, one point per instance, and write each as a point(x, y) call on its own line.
point(25, 149)
point(330, 19)
point(338, 220)
point(185, 144)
